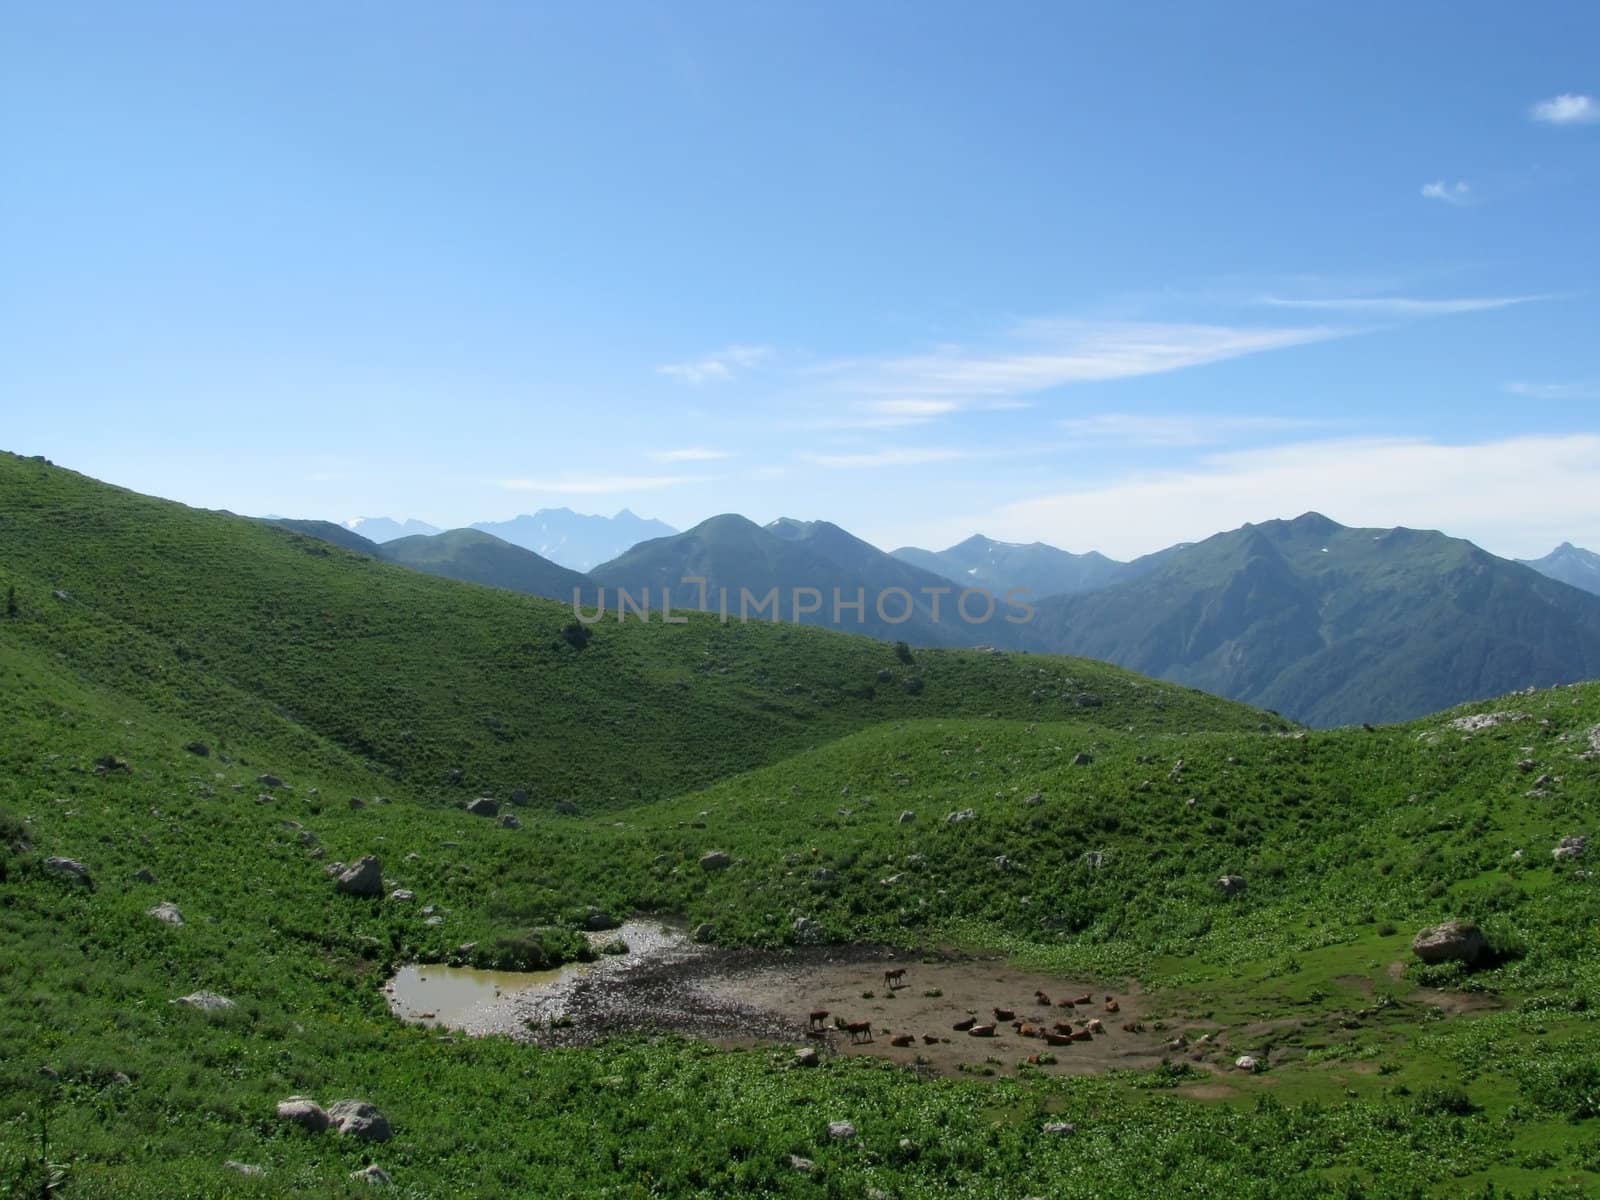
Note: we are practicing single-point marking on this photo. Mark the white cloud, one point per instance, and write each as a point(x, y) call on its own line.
point(597, 485)
point(1402, 306)
point(1554, 391)
point(1175, 429)
point(688, 454)
point(718, 366)
point(884, 458)
point(1517, 496)
point(1458, 193)
point(1566, 109)
point(1072, 352)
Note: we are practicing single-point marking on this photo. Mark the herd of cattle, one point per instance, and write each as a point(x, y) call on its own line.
point(1079, 1028)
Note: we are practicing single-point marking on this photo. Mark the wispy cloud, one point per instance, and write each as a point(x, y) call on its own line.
point(1554, 391)
point(1458, 193)
point(1177, 429)
point(1516, 496)
point(1401, 306)
point(900, 457)
point(721, 365)
point(599, 485)
point(1067, 352)
point(1569, 108)
point(688, 454)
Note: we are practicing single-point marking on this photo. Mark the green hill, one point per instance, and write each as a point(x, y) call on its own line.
point(473, 556)
point(1331, 625)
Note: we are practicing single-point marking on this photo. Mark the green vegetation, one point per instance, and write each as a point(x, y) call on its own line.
point(189, 655)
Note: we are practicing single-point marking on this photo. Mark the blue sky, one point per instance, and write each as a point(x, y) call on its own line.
point(1107, 276)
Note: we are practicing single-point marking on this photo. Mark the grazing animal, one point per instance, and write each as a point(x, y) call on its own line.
point(902, 1039)
point(818, 1016)
point(1132, 1027)
point(929, 1039)
point(1081, 1035)
point(1027, 1030)
point(1041, 998)
point(1084, 1000)
point(1058, 1039)
point(1063, 1003)
point(1004, 1014)
point(859, 1031)
point(963, 1025)
point(895, 977)
point(1096, 1026)
point(981, 1031)
point(1062, 1026)
point(1112, 1006)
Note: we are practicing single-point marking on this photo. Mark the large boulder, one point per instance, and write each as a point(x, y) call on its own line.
point(484, 806)
point(167, 913)
point(715, 860)
point(1570, 847)
point(808, 932)
point(1454, 941)
point(205, 1001)
point(304, 1112)
point(1231, 885)
point(360, 1120)
point(372, 1173)
point(363, 879)
point(70, 868)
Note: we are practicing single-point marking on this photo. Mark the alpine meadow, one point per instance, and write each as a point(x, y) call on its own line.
point(828, 602)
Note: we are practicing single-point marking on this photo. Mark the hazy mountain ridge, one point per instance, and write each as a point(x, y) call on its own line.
point(579, 541)
point(1570, 564)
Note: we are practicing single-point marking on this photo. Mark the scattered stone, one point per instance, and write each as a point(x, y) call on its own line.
point(806, 1056)
point(807, 932)
point(1080, 759)
point(1231, 885)
point(1526, 765)
point(244, 1168)
point(1086, 700)
point(907, 816)
point(363, 879)
point(715, 860)
point(705, 932)
point(803, 1166)
point(597, 919)
point(402, 894)
point(60, 595)
point(306, 838)
point(519, 797)
point(144, 875)
point(1059, 1128)
point(198, 749)
point(1247, 1062)
point(841, 1129)
point(357, 802)
point(167, 913)
point(374, 1174)
point(1095, 859)
point(1003, 863)
point(1034, 799)
point(1452, 941)
point(1570, 847)
point(566, 808)
point(269, 781)
point(110, 764)
point(360, 1120)
point(304, 1112)
point(966, 814)
point(823, 875)
point(205, 1001)
point(508, 821)
point(891, 880)
point(483, 806)
point(334, 869)
point(1478, 722)
point(885, 675)
point(72, 869)
point(434, 922)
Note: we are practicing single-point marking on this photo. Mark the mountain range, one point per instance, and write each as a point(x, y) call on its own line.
point(576, 540)
point(1569, 564)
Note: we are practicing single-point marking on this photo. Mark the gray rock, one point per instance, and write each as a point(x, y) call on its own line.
point(1095, 859)
point(1247, 1062)
point(807, 932)
point(597, 919)
point(205, 1001)
point(1231, 885)
point(566, 808)
point(705, 932)
point(167, 913)
point(363, 879)
point(304, 1112)
point(374, 1174)
point(72, 869)
point(841, 1129)
point(823, 875)
point(402, 894)
point(1454, 941)
point(360, 1120)
point(1003, 862)
point(1570, 847)
point(715, 860)
point(144, 875)
point(1086, 700)
point(507, 821)
point(244, 1168)
point(483, 806)
point(269, 781)
point(198, 749)
point(803, 1166)
point(1035, 798)
point(1059, 1128)
point(519, 797)
point(966, 814)
point(907, 816)
point(806, 1057)
point(1080, 759)
point(335, 869)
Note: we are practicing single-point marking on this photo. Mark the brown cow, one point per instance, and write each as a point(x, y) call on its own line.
point(894, 977)
point(818, 1017)
point(981, 1031)
point(1132, 1027)
point(1112, 1006)
point(929, 1039)
point(1041, 998)
point(1096, 1026)
point(1058, 1039)
point(1004, 1014)
point(1082, 1035)
point(964, 1024)
point(1084, 1000)
point(902, 1039)
point(859, 1031)
point(1027, 1030)
point(1063, 1026)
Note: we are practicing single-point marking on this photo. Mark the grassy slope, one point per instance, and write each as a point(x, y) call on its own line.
point(473, 556)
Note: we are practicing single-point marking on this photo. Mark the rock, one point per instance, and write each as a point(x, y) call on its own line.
point(823, 875)
point(803, 1166)
point(1247, 1062)
point(402, 894)
point(519, 797)
point(144, 875)
point(434, 922)
point(715, 860)
point(566, 808)
point(1478, 722)
point(1003, 862)
point(841, 1129)
point(705, 932)
point(304, 1112)
point(60, 595)
point(1452, 941)
point(374, 1174)
point(1095, 859)
point(198, 749)
point(167, 913)
point(885, 675)
point(1086, 700)
point(1034, 799)
point(907, 816)
point(306, 838)
point(269, 781)
point(1526, 765)
point(110, 764)
point(205, 1001)
point(72, 869)
point(363, 879)
point(1594, 739)
point(1080, 759)
point(596, 919)
point(1231, 885)
point(455, 775)
point(243, 1168)
point(357, 802)
point(807, 932)
point(1570, 847)
point(1059, 1128)
point(334, 869)
point(966, 814)
point(806, 1057)
point(360, 1120)
point(483, 806)
point(507, 821)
